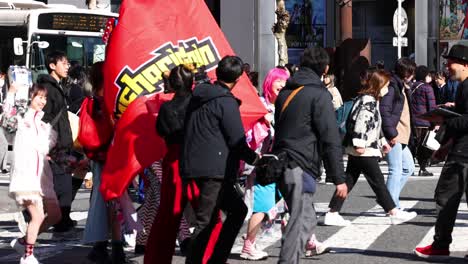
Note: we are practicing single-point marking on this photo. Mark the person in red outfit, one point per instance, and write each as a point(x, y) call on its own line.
point(170, 125)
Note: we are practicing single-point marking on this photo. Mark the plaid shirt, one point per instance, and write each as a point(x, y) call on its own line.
point(422, 101)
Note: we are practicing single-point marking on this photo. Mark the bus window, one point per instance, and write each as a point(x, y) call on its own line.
point(84, 50)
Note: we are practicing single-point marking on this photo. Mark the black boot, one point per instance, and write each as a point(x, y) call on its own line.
point(66, 223)
point(99, 253)
point(118, 254)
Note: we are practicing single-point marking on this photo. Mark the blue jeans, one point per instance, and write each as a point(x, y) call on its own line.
point(400, 167)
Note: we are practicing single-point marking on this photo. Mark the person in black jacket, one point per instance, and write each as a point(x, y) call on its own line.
point(55, 111)
point(453, 181)
point(306, 130)
point(170, 126)
point(213, 145)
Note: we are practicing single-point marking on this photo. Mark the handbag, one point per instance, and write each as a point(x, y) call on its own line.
point(95, 127)
point(270, 168)
point(430, 141)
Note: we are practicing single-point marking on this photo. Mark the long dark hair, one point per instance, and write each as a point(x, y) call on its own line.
point(181, 78)
point(96, 77)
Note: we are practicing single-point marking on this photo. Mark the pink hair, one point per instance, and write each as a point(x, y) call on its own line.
point(273, 75)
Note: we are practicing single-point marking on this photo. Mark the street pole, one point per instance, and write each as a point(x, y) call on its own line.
point(433, 35)
point(399, 28)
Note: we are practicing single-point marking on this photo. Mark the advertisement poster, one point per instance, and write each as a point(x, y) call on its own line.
point(453, 19)
point(308, 23)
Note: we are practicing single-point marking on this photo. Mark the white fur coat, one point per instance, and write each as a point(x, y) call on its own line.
point(30, 177)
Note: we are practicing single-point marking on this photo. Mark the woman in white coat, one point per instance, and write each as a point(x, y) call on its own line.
point(31, 182)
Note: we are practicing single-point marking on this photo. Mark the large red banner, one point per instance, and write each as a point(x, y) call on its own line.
point(153, 36)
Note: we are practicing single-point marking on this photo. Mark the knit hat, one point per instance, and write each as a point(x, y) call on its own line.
point(420, 73)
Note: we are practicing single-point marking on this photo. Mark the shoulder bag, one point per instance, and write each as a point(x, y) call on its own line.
point(270, 168)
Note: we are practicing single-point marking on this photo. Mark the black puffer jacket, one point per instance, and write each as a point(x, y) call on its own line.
point(171, 117)
point(458, 127)
point(391, 107)
point(214, 139)
point(56, 101)
point(307, 128)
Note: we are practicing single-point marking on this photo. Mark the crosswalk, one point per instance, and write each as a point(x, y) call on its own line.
point(367, 228)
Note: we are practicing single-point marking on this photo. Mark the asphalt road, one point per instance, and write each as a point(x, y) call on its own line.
point(370, 238)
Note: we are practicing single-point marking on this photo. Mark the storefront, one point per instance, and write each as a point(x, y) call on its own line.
point(453, 26)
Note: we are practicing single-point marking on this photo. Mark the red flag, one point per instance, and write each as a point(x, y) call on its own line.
point(153, 36)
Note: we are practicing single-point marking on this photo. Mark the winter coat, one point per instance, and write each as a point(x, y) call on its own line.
point(56, 101)
point(307, 128)
point(214, 139)
point(29, 178)
point(365, 127)
point(422, 101)
point(458, 127)
point(171, 117)
point(391, 107)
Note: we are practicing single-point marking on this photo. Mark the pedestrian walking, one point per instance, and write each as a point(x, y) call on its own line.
point(396, 127)
point(306, 130)
point(100, 221)
point(3, 136)
point(214, 144)
point(170, 126)
point(329, 81)
point(422, 101)
point(31, 180)
point(264, 197)
point(364, 146)
point(56, 107)
point(453, 180)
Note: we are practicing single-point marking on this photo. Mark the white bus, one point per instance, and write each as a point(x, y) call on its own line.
point(30, 29)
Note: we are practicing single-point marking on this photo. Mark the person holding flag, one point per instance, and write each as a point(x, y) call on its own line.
point(213, 145)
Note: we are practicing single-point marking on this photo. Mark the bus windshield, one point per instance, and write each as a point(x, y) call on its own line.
point(79, 49)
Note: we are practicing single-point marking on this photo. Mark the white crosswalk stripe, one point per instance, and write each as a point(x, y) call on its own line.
point(459, 234)
point(364, 230)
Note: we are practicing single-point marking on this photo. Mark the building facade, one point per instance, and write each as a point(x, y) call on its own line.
point(433, 26)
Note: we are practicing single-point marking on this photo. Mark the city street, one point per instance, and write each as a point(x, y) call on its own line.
point(370, 238)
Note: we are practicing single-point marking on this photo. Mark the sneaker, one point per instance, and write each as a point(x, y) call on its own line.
point(425, 173)
point(17, 246)
point(29, 260)
point(335, 219)
point(401, 217)
point(250, 251)
point(428, 252)
point(22, 224)
point(314, 248)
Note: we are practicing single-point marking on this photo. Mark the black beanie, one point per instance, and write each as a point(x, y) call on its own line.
point(420, 73)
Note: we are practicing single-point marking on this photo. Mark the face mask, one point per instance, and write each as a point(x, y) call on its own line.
point(383, 91)
point(2, 82)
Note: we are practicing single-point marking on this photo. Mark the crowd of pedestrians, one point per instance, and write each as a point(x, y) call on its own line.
point(192, 197)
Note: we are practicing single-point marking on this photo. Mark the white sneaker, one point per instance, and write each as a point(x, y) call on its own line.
point(335, 219)
point(250, 251)
point(16, 245)
point(314, 247)
point(402, 216)
point(29, 260)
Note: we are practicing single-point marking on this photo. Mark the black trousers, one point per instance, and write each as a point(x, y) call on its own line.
point(369, 166)
point(216, 195)
point(422, 154)
point(452, 184)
